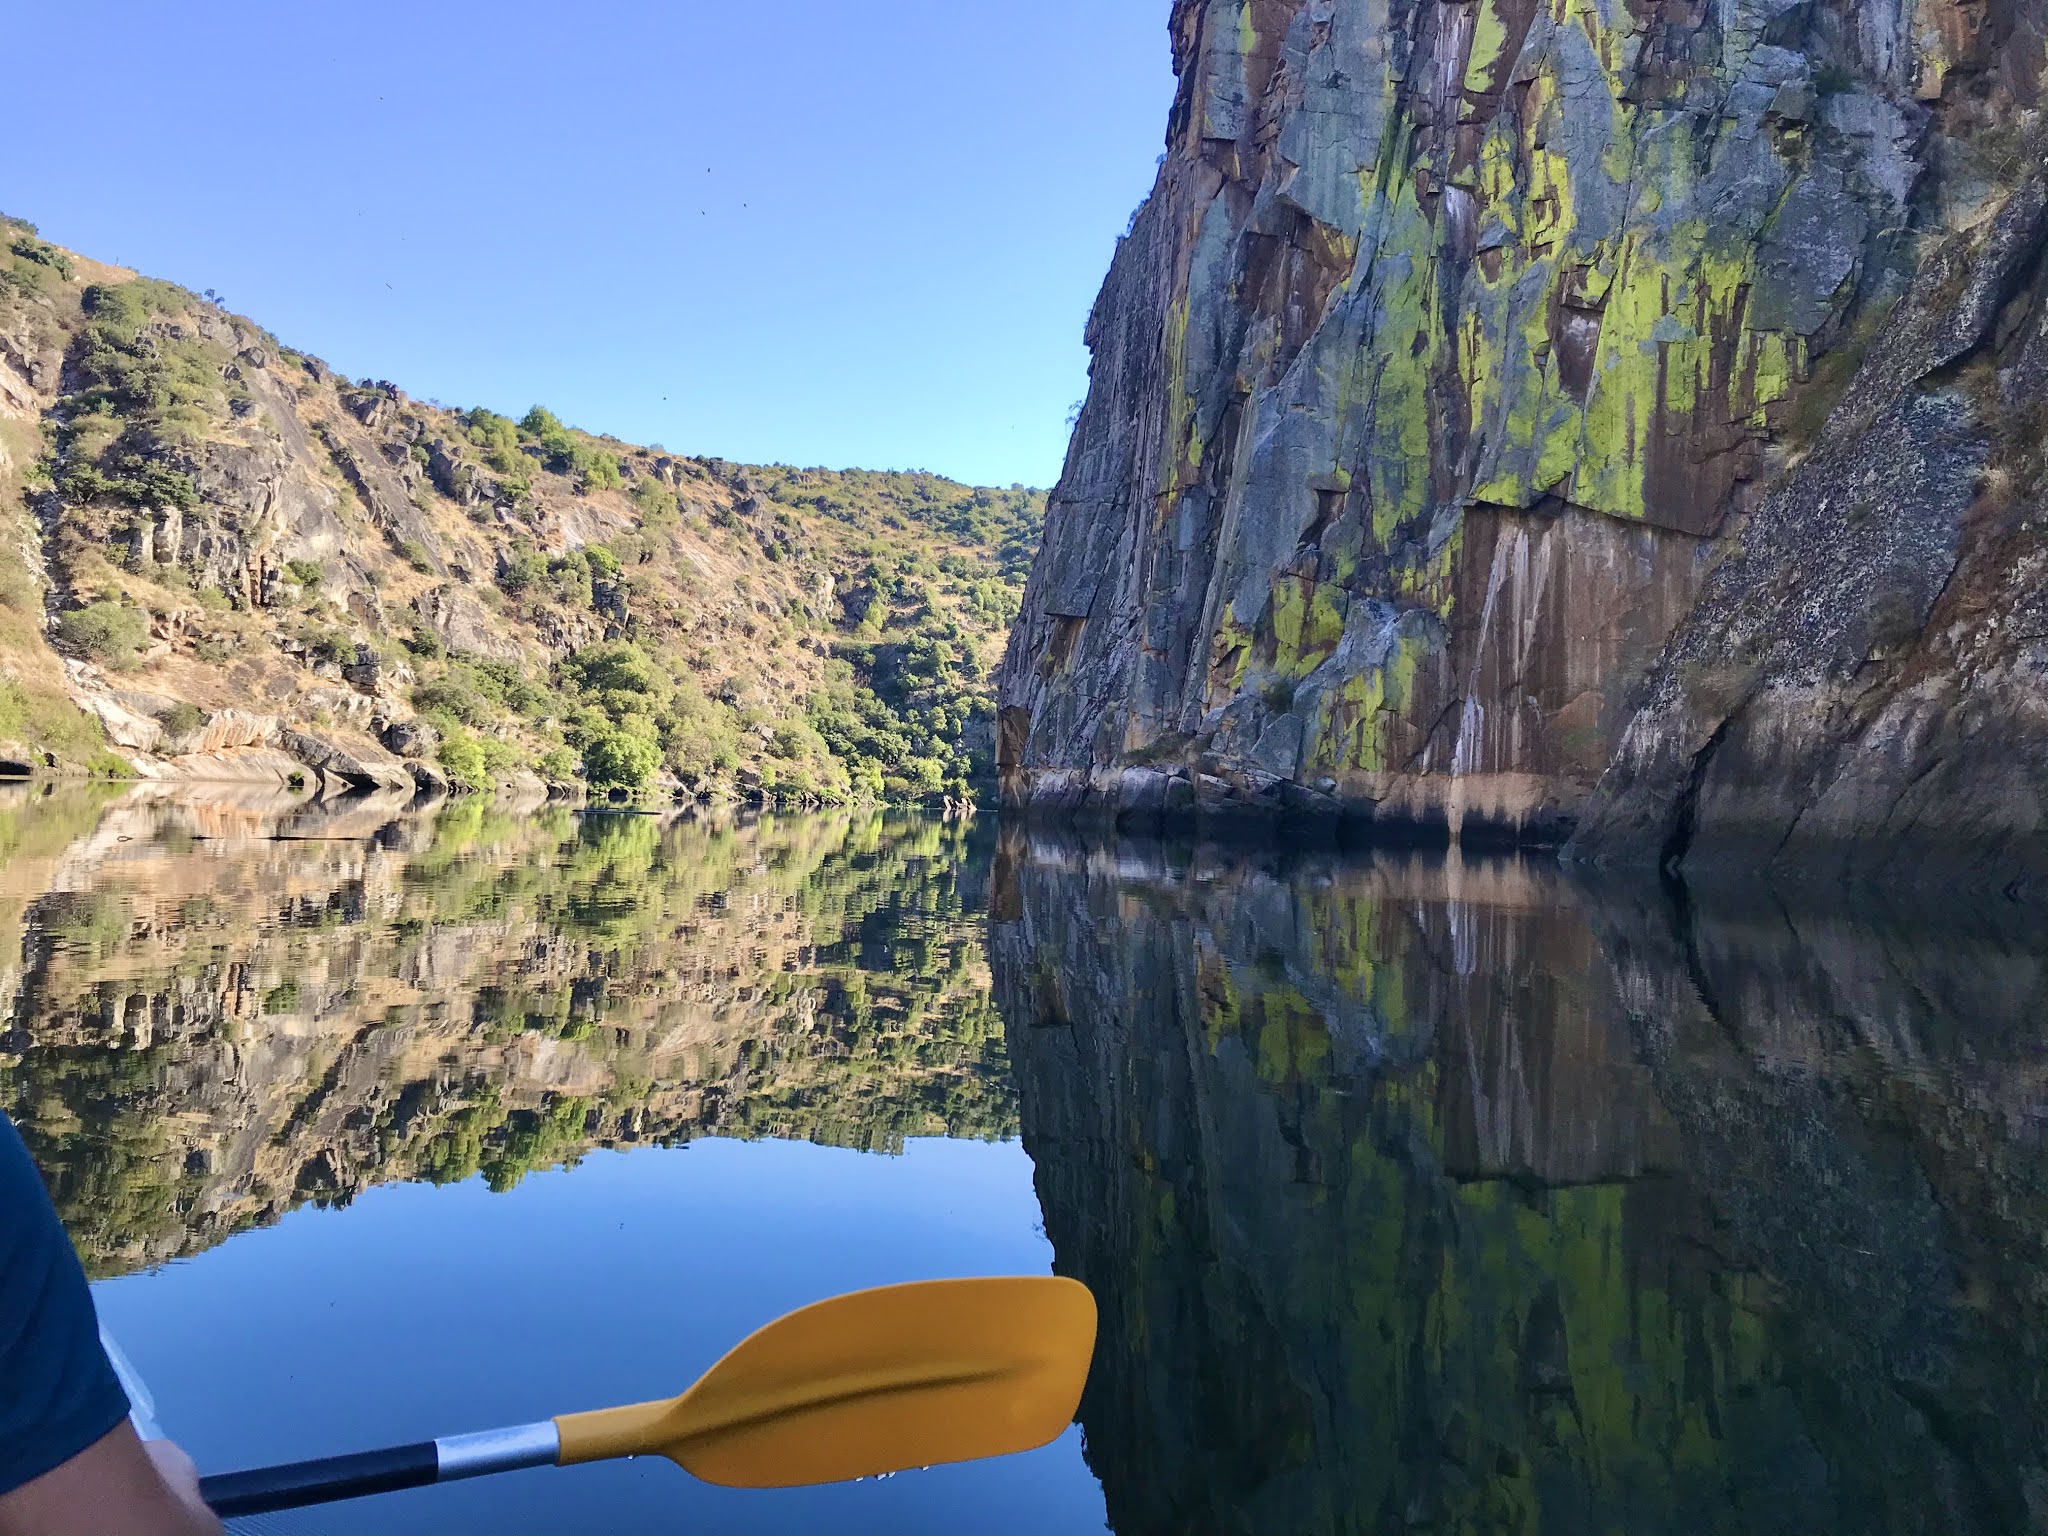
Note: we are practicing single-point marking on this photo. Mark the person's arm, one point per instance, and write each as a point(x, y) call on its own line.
point(70, 1462)
point(117, 1486)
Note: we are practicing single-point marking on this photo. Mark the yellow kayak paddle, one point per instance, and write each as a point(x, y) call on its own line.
point(878, 1381)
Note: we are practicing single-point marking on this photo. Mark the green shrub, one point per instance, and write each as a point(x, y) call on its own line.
point(307, 573)
point(337, 646)
point(539, 423)
point(524, 568)
point(571, 575)
point(42, 253)
point(282, 998)
point(699, 738)
point(615, 758)
point(616, 667)
point(112, 634)
point(453, 698)
point(657, 503)
point(122, 309)
point(559, 450)
point(600, 471)
point(518, 692)
point(563, 453)
point(126, 477)
point(181, 719)
point(462, 759)
point(496, 435)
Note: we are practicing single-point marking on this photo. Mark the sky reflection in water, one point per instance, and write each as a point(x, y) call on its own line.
point(421, 1311)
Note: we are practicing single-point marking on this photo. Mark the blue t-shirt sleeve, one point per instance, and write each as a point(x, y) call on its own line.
point(58, 1393)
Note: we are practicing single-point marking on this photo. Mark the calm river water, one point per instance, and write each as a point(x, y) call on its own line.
point(1416, 1195)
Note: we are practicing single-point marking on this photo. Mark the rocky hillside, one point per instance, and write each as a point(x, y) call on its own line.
point(224, 560)
point(1466, 353)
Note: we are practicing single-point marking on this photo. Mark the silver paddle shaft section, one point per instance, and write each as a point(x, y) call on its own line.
point(498, 1450)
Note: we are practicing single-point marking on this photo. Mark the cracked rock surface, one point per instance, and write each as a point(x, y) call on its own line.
point(1465, 354)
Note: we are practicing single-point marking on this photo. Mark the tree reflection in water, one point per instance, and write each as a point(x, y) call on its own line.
point(225, 1007)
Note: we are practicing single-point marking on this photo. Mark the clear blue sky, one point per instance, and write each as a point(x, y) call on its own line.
point(839, 232)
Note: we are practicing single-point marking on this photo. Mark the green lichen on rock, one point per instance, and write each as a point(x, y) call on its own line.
point(1356, 721)
point(1562, 271)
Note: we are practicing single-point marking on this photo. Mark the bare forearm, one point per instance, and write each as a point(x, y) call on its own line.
point(116, 1487)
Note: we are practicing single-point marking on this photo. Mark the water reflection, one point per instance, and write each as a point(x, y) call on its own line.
point(1457, 1198)
point(1418, 1196)
point(223, 1008)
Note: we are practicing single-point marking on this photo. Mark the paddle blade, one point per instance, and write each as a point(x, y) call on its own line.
point(878, 1381)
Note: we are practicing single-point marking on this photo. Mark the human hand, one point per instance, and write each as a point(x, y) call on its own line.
point(181, 1476)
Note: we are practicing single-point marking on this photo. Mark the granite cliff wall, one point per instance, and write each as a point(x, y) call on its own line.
point(1453, 351)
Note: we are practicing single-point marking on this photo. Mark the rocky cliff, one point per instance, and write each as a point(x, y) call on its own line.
point(223, 560)
point(1467, 351)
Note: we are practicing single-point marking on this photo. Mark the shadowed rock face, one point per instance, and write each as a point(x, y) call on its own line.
point(1863, 684)
point(1425, 1196)
point(1443, 365)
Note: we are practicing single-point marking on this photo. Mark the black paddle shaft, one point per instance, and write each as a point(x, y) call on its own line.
point(322, 1482)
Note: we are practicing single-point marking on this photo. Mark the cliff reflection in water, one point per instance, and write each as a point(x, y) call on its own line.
point(223, 1009)
point(1454, 1198)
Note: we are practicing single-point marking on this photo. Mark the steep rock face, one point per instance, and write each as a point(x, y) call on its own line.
point(1863, 685)
point(1452, 340)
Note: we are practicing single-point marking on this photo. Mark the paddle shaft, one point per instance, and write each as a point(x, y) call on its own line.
point(332, 1478)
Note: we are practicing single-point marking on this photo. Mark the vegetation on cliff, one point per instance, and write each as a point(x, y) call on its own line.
point(210, 525)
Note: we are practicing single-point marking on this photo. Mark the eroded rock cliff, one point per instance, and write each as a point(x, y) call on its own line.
point(1452, 353)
